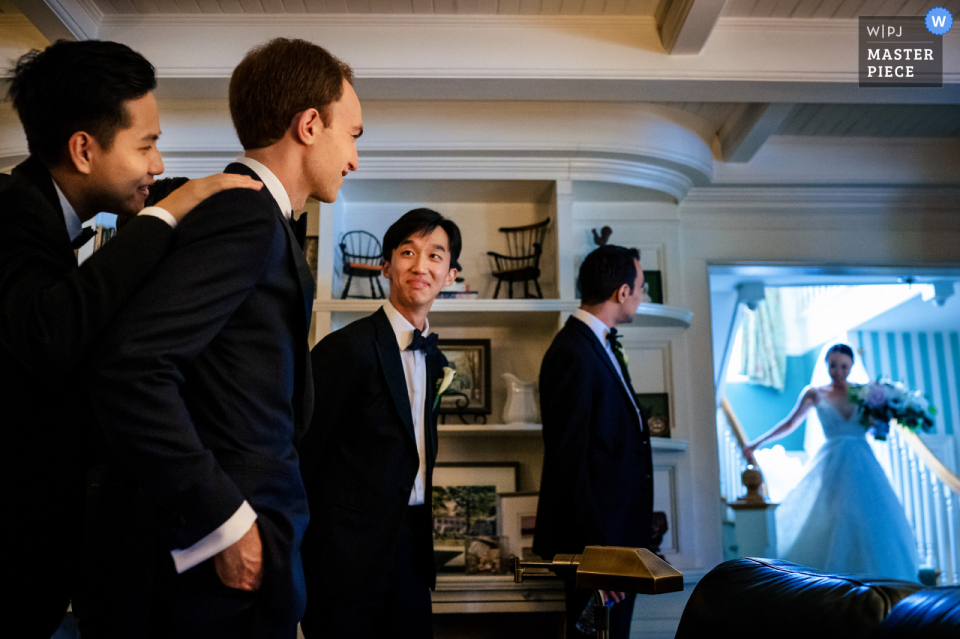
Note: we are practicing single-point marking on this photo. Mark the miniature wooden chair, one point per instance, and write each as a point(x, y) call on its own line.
point(522, 261)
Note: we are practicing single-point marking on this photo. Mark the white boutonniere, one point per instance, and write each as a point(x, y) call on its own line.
point(443, 384)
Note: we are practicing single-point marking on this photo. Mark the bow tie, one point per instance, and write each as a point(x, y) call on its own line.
point(426, 344)
point(85, 235)
point(613, 339)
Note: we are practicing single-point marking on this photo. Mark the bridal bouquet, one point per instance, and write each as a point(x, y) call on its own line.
point(883, 400)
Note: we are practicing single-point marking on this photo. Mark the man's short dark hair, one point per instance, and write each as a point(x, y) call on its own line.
point(276, 81)
point(605, 270)
point(421, 222)
point(77, 86)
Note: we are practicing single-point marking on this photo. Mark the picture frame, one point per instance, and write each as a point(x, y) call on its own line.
point(655, 410)
point(464, 499)
point(470, 391)
point(652, 287)
point(516, 522)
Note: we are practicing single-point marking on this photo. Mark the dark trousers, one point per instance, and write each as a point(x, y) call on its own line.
point(620, 614)
point(121, 556)
point(398, 606)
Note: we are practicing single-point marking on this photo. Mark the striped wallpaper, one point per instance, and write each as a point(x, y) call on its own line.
point(929, 362)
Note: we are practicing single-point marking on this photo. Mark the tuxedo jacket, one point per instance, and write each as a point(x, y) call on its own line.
point(52, 314)
point(597, 484)
point(201, 387)
point(359, 461)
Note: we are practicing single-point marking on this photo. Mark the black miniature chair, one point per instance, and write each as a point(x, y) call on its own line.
point(362, 255)
point(522, 261)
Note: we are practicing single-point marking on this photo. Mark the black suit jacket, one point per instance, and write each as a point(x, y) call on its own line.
point(52, 313)
point(359, 461)
point(200, 386)
point(597, 484)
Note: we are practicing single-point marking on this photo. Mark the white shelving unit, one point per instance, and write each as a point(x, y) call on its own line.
point(520, 331)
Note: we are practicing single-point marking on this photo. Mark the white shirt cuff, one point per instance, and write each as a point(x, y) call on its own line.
point(163, 214)
point(223, 537)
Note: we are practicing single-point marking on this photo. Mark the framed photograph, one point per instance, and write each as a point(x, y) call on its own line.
point(470, 390)
point(484, 555)
point(652, 287)
point(465, 505)
point(655, 410)
point(516, 522)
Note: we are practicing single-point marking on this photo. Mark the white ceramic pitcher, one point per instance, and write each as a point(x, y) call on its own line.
point(521, 406)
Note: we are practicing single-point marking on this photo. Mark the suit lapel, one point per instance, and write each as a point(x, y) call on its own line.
point(434, 367)
point(33, 171)
point(591, 337)
point(304, 275)
point(389, 353)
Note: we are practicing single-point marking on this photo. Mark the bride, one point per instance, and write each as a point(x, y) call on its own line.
point(843, 515)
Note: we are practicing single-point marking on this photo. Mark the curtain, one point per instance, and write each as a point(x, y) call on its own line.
point(764, 352)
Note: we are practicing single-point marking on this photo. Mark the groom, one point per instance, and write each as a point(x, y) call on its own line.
point(368, 457)
point(597, 485)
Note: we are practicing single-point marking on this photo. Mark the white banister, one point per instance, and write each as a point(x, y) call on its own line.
point(928, 492)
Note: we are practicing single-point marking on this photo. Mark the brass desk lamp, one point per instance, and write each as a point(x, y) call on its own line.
point(606, 568)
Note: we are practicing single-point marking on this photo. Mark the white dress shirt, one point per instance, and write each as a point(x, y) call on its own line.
point(74, 226)
point(601, 331)
point(240, 522)
point(415, 372)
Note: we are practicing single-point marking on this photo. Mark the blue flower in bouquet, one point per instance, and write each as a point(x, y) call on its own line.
point(883, 401)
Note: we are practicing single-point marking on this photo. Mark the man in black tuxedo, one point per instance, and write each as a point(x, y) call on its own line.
point(597, 484)
point(91, 124)
point(205, 386)
point(367, 460)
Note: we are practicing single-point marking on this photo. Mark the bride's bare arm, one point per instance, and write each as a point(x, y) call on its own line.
point(807, 400)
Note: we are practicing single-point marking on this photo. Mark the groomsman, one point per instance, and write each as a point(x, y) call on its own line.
point(204, 386)
point(91, 123)
point(597, 485)
point(368, 457)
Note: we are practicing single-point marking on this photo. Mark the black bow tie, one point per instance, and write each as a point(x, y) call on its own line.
point(426, 344)
point(612, 338)
point(85, 235)
point(299, 226)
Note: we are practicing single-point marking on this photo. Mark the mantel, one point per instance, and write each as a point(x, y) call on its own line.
point(459, 593)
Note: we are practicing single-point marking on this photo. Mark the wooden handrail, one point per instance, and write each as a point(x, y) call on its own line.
point(734, 423)
point(931, 461)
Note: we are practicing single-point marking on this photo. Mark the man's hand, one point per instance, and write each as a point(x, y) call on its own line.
point(615, 597)
point(240, 566)
point(188, 196)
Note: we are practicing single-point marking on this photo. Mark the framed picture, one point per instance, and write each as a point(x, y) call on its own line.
point(655, 410)
point(652, 287)
point(465, 505)
point(517, 522)
point(484, 555)
point(470, 390)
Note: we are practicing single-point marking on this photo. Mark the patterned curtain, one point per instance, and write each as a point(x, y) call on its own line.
point(764, 353)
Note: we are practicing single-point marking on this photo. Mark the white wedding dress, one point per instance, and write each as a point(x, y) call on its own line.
point(843, 516)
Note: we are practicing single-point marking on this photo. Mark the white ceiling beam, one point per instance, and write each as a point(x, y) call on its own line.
point(515, 58)
point(62, 19)
point(748, 127)
point(687, 24)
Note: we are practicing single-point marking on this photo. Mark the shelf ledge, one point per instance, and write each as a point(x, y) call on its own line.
point(470, 430)
point(652, 315)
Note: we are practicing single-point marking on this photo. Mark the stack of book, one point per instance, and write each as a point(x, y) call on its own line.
point(457, 291)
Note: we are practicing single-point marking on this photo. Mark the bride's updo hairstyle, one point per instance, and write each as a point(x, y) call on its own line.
point(843, 349)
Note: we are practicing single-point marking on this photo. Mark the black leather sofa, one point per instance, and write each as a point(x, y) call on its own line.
point(778, 599)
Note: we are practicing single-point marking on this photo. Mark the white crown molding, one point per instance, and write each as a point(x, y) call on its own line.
point(663, 179)
point(820, 197)
point(374, 20)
